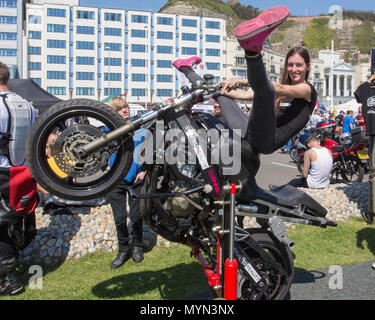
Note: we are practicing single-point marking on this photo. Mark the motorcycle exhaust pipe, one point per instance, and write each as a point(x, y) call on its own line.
point(289, 243)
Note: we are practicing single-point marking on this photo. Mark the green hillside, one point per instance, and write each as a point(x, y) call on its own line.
point(215, 6)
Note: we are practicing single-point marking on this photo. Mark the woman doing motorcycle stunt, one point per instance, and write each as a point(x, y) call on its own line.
point(267, 129)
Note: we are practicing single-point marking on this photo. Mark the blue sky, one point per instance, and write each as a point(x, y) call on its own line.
point(297, 7)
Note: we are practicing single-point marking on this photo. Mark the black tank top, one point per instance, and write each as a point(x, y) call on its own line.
point(294, 118)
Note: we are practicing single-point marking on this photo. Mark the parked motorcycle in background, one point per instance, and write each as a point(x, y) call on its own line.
point(349, 151)
point(299, 144)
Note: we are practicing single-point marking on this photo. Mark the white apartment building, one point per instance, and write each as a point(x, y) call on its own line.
point(75, 51)
point(11, 13)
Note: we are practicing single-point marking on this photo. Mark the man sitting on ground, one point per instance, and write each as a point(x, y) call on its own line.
point(317, 167)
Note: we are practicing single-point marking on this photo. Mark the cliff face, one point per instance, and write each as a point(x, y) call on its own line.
point(206, 8)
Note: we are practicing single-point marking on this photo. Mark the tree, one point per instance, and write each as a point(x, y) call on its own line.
point(317, 34)
point(364, 37)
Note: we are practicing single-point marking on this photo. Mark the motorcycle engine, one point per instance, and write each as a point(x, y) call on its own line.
point(179, 206)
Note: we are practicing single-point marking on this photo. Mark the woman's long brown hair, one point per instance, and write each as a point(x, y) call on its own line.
point(285, 78)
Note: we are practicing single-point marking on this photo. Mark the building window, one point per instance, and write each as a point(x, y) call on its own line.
point(139, 19)
point(316, 75)
point(85, 60)
point(112, 61)
point(239, 61)
point(108, 16)
point(165, 35)
point(164, 92)
point(113, 32)
point(34, 19)
point(85, 45)
point(189, 23)
point(35, 50)
point(61, 44)
point(164, 78)
point(112, 46)
point(35, 35)
point(85, 15)
point(8, 3)
point(138, 92)
point(164, 49)
point(138, 48)
point(164, 63)
point(38, 81)
point(213, 52)
point(135, 33)
point(212, 38)
point(272, 69)
point(56, 59)
point(84, 91)
point(61, 28)
point(213, 24)
point(212, 66)
point(189, 36)
point(165, 21)
point(85, 75)
point(189, 51)
point(35, 66)
point(58, 91)
point(8, 20)
point(112, 76)
point(56, 75)
point(8, 52)
point(139, 77)
point(8, 36)
point(112, 92)
point(52, 12)
point(85, 30)
point(138, 62)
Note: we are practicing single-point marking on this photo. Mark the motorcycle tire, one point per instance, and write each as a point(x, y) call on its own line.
point(280, 286)
point(294, 155)
point(91, 182)
point(354, 172)
point(300, 164)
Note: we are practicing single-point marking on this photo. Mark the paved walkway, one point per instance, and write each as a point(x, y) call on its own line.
point(356, 282)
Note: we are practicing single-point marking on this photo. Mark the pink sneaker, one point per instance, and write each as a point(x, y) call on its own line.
point(251, 34)
point(187, 62)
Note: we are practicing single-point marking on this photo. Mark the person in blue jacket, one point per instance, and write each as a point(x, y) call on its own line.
point(128, 245)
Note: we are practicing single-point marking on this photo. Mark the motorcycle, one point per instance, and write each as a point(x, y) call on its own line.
point(346, 162)
point(195, 203)
point(299, 145)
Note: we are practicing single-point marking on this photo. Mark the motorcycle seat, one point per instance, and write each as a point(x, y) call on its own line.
point(287, 196)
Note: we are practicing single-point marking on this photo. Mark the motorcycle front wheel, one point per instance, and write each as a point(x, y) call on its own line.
point(54, 139)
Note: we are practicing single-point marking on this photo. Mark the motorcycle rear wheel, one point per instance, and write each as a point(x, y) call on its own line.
point(280, 285)
point(60, 174)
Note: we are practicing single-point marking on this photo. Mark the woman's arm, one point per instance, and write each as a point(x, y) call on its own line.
point(230, 89)
point(299, 91)
point(239, 94)
point(230, 84)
